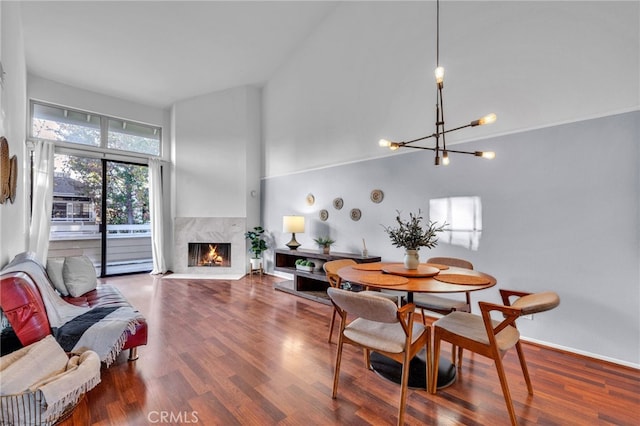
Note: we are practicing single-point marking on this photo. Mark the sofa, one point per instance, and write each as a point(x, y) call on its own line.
point(100, 319)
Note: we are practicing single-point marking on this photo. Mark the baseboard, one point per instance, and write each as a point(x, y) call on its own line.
point(203, 277)
point(581, 353)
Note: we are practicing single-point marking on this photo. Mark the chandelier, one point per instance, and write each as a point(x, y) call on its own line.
point(440, 147)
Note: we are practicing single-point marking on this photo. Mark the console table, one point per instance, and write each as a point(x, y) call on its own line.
point(310, 285)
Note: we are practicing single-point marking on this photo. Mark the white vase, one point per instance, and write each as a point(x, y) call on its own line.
point(411, 259)
point(255, 263)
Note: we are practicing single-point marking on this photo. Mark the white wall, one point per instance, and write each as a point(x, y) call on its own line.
point(367, 73)
point(562, 199)
point(217, 154)
point(13, 101)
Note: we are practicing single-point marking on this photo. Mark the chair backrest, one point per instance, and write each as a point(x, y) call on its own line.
point(537, 302)
point(332, 266)
point(367, 306)
point(526, 304)
point(451, 261)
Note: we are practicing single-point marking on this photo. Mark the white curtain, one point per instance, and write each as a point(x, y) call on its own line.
point(42, 200)
point(157, 221)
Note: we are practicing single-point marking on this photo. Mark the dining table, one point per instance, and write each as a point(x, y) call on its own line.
point(427, 278)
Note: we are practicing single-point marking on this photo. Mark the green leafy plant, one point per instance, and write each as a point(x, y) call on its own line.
point(258, 243)
point(411, 235)
point(324, 242)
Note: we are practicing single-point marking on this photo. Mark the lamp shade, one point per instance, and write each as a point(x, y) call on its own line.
point(293, 224)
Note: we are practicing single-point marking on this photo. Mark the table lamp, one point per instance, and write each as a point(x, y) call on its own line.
point(293, 224)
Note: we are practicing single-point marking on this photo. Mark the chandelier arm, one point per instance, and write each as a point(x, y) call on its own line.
point(432, 135)
point(462, 152)
point(457, 128)
point(440, 123)
point(421, 147)
point(416, 140)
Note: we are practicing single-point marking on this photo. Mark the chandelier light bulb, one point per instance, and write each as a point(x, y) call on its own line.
point(445, 158)
point(388, 144)
point(439, 72)
point(487, 119)
point(489, 155)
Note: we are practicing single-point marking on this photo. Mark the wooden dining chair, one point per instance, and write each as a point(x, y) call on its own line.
point(331, 268)
point(492, 338)
point(377, 324)
point(445, 305)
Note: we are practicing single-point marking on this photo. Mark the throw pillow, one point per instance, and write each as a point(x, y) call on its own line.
point(54, 271)
point(31, 364)
point(79, 275)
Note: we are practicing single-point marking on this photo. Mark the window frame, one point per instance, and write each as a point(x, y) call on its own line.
point(104, 133)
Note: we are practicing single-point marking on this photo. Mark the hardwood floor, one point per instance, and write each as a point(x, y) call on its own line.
point(241, 353)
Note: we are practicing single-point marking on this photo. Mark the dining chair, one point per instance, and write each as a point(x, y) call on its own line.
point(377, 324)
point(444, 305)
point(492, 338)
point(331, 268)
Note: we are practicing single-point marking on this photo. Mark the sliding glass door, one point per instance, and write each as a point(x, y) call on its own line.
point(100, 209)
point(126, 200)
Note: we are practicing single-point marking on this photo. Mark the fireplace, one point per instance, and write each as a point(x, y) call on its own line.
point(225, 234)
point(209, 254)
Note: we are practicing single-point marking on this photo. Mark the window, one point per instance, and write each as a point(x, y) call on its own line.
point(79, 127)
point(65, 125)
point(129, 136)
point(464, 217)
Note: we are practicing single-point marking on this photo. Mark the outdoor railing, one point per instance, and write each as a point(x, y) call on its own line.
point(70, 231)
point(128, 246)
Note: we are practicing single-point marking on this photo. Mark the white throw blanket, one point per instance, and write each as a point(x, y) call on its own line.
point(105, 336)
point(40, 382)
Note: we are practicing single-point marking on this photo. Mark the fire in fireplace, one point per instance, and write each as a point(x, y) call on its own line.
point(209, 254)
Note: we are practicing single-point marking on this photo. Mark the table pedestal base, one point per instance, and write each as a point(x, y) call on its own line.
point(392, 370)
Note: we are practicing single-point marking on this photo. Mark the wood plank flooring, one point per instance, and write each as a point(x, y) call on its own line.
point(241, 353)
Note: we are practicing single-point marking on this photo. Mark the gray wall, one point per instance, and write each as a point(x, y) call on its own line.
point(560, 212)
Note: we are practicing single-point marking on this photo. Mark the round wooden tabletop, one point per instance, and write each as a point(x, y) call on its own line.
point(418, 284)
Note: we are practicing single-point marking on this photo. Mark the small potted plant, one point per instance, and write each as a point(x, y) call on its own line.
point(411, 236)
point(305, 265)
point(324, 243)
point(258, 246)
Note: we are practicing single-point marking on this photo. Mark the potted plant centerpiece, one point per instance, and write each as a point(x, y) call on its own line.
point(324, 243)
point(258, 246)
point(411, 236)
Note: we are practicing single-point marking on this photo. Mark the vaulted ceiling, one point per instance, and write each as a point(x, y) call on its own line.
point(158, 52)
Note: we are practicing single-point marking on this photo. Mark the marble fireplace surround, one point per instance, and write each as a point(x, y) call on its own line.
point(205, 230)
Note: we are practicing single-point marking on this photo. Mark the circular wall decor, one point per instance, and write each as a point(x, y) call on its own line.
point(13, 178)
point(324, 215)
point(377, 195)
point(356, 214)
point(338, 203)
point(5, 170)
point(310, 199)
